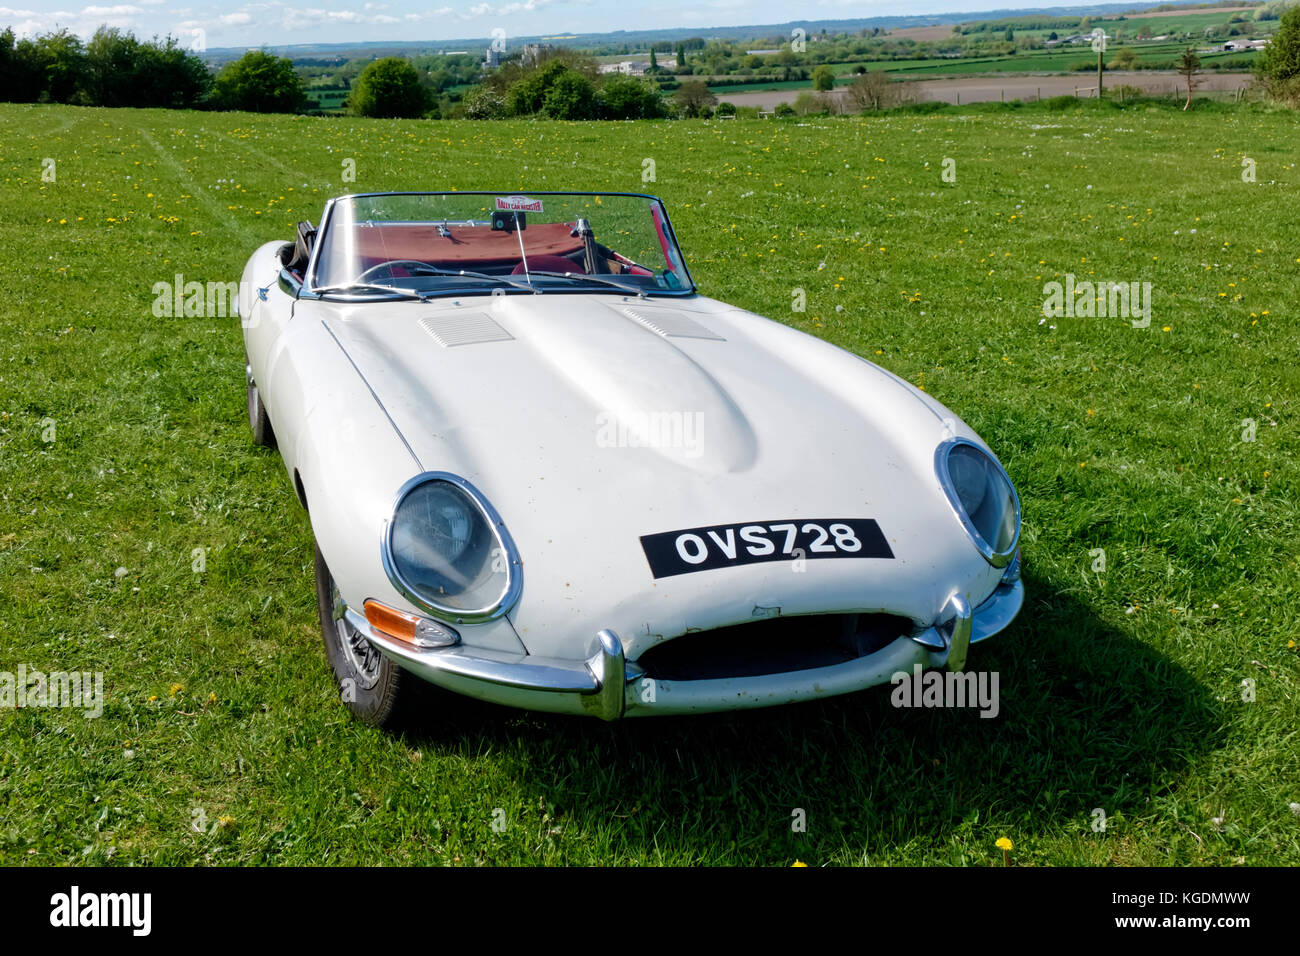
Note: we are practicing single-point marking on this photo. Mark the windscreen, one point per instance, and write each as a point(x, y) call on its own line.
point(442, 241)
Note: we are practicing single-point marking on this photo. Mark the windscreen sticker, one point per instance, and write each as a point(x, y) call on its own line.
point(726, 545)
point(519, 204)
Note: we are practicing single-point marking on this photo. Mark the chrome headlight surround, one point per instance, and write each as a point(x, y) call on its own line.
point(509, 594)
point(996, 475)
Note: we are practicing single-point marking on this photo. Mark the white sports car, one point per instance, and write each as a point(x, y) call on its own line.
point(542, 470)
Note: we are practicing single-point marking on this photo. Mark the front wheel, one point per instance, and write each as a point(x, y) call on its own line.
point(258, 420)
point(376, 690)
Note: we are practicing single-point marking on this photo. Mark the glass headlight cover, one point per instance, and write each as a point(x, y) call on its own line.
point(982, 496)
point(447, 550)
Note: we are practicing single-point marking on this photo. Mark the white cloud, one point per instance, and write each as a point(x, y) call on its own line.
point(121, 10)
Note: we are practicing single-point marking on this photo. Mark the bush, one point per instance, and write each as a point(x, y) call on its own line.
point(1060, 103)
point(625, 97)
point(483, 103)
point(725, 109)
point(873, 90)
point(807, 103)
point(784, 109)
point(571, 97)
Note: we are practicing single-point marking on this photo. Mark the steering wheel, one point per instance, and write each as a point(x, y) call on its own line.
point(414, 266)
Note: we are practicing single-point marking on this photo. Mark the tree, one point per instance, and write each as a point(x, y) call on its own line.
point(1279, 64)
point(527, 94)
point(823, 78)
point(695, 98)
point(259, 83)
point(1010, 35)
point(65, 73)
point(654, 64)
point(389, 89)
point(571, 97)
point(168, 75)
point(21, 78)
point(625, 97)
point(873, 90)
point(808, 102)
point(1189, 64)
point(111, 57)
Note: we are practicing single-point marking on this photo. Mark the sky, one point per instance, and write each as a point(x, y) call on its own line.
point(238, 23)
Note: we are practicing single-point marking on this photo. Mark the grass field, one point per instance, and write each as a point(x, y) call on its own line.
point(124, 447)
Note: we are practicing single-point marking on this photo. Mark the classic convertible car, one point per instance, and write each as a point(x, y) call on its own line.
point(542, 470)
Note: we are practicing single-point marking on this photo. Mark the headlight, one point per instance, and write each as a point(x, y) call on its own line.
point(982, 496)
point(448, 551)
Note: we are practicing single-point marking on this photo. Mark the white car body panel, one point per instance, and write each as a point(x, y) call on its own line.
point(363, 398)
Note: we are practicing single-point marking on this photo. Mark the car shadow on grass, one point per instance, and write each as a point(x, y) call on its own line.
point(1089, 718)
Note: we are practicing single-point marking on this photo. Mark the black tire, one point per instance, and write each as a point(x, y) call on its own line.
point(376, 690)
point(258, 420)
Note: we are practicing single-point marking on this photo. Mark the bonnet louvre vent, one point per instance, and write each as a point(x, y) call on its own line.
point(673, 324)
point(450, 329)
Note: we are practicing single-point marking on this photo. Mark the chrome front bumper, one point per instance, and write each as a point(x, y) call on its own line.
point(608, 686)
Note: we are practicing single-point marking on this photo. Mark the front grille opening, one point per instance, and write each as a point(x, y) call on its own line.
point(773, 646)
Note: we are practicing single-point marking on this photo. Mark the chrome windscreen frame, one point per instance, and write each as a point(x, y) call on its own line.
point(998, 559)
point(514, 585)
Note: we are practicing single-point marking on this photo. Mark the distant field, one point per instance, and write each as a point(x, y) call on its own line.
point(1153, 675)
point(1073, 60)
point(974, 88)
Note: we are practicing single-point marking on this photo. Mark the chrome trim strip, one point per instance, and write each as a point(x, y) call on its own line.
point(524, 671)
point(959, 636)
point(997, 612)
point(514, 585)
point(999, 559)
point(373, 395)
point(309, 274)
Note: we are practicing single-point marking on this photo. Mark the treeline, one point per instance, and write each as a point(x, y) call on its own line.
point(564, 85)
point(114, 68)
point(111, 69)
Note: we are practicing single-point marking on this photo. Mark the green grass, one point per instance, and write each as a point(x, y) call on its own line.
point(1120, 689)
